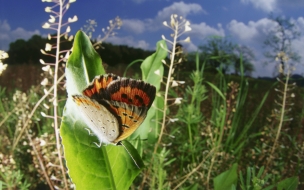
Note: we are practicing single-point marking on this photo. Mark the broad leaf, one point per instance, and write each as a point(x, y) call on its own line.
point(90, 167)
point(289, 184)
point(152, 72)
point(227, 179)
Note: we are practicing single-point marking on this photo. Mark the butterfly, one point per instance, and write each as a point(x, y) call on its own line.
point(114, 107)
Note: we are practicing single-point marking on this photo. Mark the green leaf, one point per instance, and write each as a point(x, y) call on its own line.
point(227, 179)
point(192, 187)
point(90, 167)
point(288, 184)
point(150, 66)
point(83, 64)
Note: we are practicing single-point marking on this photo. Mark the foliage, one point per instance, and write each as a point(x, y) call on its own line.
point(206, 130)
point(82, 66)
point(28, 51)
point(253, 180)
point(280, 39)
point(227, 56)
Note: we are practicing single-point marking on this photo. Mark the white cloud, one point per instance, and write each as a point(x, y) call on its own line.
point(129, 41)
point(178, 8)
point(151, 25)
point(255, 32)
point(133, 25)
point(298, 45)
point(202, 30)
point(265, 5)
point(181, 9)
point(138, 1)
point(7, 35)
point(293, 3)
point(190, 47)
point(262, 70)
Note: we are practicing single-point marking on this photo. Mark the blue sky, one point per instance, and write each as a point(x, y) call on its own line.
point(242, 21)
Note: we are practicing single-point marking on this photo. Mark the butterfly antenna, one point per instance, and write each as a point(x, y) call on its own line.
point(129, 154)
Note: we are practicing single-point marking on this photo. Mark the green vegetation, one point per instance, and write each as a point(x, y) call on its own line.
point(205, 130)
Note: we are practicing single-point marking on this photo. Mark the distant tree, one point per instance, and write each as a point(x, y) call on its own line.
point(279, 41)
point(121, 54)
point(243, 55)
point(27, 52)
point(227, 56)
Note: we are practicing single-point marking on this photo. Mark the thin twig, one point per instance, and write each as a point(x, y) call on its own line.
point(32, 113)
point(40, 161)
point(194, 170)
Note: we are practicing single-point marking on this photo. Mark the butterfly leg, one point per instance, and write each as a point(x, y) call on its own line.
point(99, 145)
point(90, 132)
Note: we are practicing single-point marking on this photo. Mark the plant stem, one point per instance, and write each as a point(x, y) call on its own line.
point(33, 111)
point(56, 128)
point(167, 87)
point(280, 124)
point(40, 161)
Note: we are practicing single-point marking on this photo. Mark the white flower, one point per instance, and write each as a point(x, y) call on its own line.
point(173, 120)
point(46, 106)
point(157, 72)
point(44, 82)
point(46, 25)
point(3, 55)
point(2, 67)
point(42, 51)
point(48, 9)
point(67, 55)
point(41, 61)
point(71, 38)
point(187, 28)
point(68, 29)
point(178, 101)
point(176, 83)
point(48, 47)
point(74, 19)
point(187, 39)
point(42, 143)
point(46, 68)
point(52, 19)
point(67, 6)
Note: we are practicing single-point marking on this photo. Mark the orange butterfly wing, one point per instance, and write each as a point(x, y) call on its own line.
point(127, 99)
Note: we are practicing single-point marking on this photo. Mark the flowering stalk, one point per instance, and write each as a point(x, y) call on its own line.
point(179, 27)
point(55, 23)
point(284, 71)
